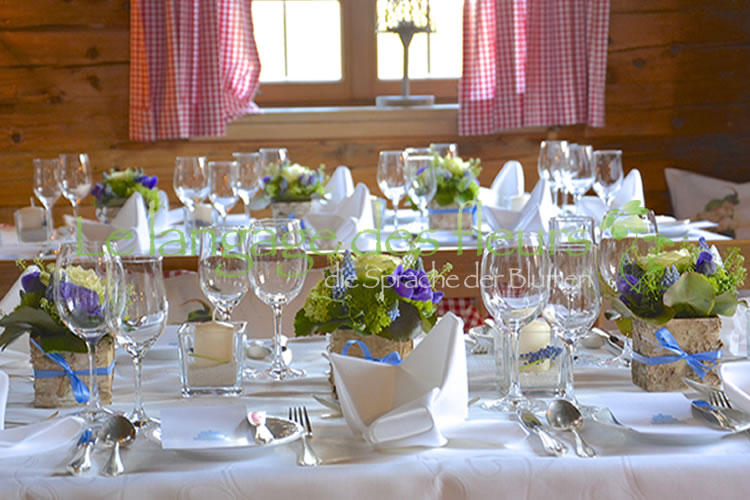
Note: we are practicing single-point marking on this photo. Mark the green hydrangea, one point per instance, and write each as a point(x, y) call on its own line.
point(456, 180)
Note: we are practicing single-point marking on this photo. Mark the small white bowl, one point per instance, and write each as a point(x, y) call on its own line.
point(735, 376)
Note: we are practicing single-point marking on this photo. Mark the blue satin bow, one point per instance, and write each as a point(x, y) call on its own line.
point(700, 362)
point(391, 359)
point(80, 390)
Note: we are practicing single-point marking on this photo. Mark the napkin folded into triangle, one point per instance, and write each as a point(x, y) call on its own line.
point(534, 216)
point(508, 184)
point(630, 189)
point(412, 403)
point(344, 218)
point(339, 186)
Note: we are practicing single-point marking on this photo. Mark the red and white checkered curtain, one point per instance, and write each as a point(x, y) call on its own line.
point(532, 63)
point(193, 67)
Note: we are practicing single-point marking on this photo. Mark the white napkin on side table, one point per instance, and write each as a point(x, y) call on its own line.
point(407, 405)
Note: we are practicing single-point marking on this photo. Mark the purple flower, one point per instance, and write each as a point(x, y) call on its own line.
point(31, 283)
point(413, 284)
point(626, 285)
point(705, 264)
point(81, 300)
point(146, 181)
point(702, 243)
point(266, 179)
point(307, 179)
point(97, 191)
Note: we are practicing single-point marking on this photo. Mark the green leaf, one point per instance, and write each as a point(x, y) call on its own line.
point(625, 325)
point(61, 343)
point(725, 304)
point(619, 232)
point(633, 207)
point(607, 222)
point(303, 326)
point(691, 297)
point(634, 224)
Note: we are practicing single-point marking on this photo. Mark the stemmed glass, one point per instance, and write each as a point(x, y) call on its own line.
point(608, 167)
point(391, 179)
point(272, 156)
point(421, 178)
point(223, 268)
point(222, 186)
point(46, 188)
point(574, 297)
point(277, 276)
point(74, 177)
point(137, 316)
point(514, 291)
point(580, 174)
point(249, 173)
point(553, 157)
point(84, 284)
point(445, 150)
point(190, 182)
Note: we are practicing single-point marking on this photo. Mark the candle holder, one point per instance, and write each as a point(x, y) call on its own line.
point(405, 18)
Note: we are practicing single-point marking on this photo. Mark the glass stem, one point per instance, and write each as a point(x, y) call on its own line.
point(565, 390)
point(396, 200)
point(50, 222)
point(278, 361)
point(247, 212)
point(75, 210)
point(139, 413)
point(514, 391)
point(93, 403)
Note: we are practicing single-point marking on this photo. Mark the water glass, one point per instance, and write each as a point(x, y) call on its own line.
point(277, 276)
point(223, 267)
point(137, 317)
point(574, 296)
point(514, 291)
point(579, 176)
point(190, 183)
point(445, 150)
point(553, 157)
point(46, 188)
point(392, 179)
point(222, 186)
point(249, 174)
point(421, 178)
point(272, 157)
point(74, 178)
point(609, 175)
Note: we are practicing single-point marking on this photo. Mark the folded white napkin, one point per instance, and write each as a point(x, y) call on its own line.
point(408, 404)
point(338, 187)
point(534, 216)
point(508, 184)
point(132, 216)
point(345, 218)
point(162, 217)
point(4, 388)
point(34, 439)
point(631, 189)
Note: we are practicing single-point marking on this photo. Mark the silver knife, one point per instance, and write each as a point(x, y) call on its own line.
point(551, 445)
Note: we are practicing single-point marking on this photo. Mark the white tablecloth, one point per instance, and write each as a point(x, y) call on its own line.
point(489, 457)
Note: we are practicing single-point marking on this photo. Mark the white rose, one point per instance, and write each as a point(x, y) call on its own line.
point(294, 172)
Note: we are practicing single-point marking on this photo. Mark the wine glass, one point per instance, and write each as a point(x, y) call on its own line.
point(421, 178)
point(391, 179)
point(137, 316)
point(574, 297)
point(249, 175)
point(277, 276)
point(514, 291)
point(580, 175)
point(608, 168)
point(46, 188)
point(553, 156)
point(223, 268)
point(222, 186)
point(190, 182)
point(74, 177)
point(272, 157)
point(445, 150)
point(84, 284)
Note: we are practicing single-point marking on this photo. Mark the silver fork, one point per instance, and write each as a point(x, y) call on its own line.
point(308, 457)
point(719, 398)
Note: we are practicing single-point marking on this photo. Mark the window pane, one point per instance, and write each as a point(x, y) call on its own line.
point(437, 55)
point(312, 32)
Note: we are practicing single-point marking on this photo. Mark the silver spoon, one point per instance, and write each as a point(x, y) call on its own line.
point(81, 461)
point(551, 445)
point(117, 432)
point(564, 416)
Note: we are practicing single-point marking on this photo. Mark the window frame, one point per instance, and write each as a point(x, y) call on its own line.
point(359, 84)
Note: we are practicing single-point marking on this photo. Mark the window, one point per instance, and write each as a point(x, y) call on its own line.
point(327, 52)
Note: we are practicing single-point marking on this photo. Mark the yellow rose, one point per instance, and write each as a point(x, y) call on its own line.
point(86, 278)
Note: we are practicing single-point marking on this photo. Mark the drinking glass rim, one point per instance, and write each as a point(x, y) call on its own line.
point(608, 151)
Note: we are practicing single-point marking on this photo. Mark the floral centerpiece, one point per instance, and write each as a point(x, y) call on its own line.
point(671, 299)
point(381, 300)
point(58, 356)
point(290, 188)
point(119, 185)
point(457, 184)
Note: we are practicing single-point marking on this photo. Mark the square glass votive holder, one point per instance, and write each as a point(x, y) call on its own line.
point(211, 358)
point(31, 225)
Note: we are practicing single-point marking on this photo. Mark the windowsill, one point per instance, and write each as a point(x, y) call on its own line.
point(349, 122)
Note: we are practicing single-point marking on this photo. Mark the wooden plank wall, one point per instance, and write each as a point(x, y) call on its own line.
point(678, 95)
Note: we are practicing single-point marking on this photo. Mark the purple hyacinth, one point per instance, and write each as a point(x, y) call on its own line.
point(626, 285)
point(670, 277)
point(344, 277)
point(702, 244)
point(413, 284)
point(31, 283)
point(705, 264)
point(81, 300)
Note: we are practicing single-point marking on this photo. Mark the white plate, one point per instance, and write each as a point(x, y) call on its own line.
point(735, 377)
point(672, 228)
point(656, 417)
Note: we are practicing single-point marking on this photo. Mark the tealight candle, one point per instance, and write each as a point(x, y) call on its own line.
point(534, 337)
point(203, 215)
point(30, 224)
point(211, 358)
point(213, 343)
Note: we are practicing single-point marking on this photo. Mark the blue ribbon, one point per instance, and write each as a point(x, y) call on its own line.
point(301, 222)
point(701, 362)
point(440, 211)
point(391, 359)
point(80, 390)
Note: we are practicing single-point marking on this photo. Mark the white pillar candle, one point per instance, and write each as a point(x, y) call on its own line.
point(203, 214)
point(213, 343)
point(30, 224)
point(534, 336)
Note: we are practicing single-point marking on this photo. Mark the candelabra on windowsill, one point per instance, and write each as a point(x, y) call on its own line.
point(405, 18)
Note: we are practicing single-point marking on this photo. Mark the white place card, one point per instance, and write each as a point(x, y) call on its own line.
point(221, 426)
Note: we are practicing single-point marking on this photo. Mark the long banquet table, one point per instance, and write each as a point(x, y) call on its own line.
point(488, 457)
